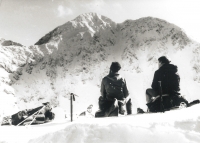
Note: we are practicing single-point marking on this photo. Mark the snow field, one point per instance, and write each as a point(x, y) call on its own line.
point(172, 126)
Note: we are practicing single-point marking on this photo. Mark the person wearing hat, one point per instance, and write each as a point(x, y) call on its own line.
point(167, 74)
point(114, 94)
point(88, 112)
point(89, 108)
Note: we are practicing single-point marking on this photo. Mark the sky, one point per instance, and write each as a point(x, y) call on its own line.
point(26, 21)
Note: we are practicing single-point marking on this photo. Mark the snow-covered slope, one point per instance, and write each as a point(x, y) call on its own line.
point(13, 57)
point(75, 56)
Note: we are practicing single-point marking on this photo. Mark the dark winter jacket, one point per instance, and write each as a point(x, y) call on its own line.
point(169, 78)
point(114, 86)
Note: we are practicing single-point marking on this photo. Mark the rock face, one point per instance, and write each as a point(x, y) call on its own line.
point(9, 43)
point(75, 56)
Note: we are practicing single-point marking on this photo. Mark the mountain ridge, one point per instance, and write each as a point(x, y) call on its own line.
point(75, 56)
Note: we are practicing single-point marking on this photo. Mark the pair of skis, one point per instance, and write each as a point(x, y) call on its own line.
point(36, 113)
point(72, 98)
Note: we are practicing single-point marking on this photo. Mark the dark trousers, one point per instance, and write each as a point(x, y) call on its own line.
point(112, 108)
point(149, 94)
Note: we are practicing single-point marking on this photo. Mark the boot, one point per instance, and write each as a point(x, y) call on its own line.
point(129, 107)
point(140, 111)
point(113, 110)
point(100, 113)
point(122, 106)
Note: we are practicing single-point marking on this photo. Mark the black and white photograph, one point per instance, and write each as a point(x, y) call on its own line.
point(99, 71)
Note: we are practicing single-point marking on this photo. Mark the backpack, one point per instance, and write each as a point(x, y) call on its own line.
point(17, 117)
point(115, 88)
point(170, 82)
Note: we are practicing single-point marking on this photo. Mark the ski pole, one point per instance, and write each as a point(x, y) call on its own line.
point(71, 107)
point(72, 98)
point(161, 99)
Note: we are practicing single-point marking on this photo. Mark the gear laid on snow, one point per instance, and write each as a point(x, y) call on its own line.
point(194, 102)
point(37, 115)
point(140, 111)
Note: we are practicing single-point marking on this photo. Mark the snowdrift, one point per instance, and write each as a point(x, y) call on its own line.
point(172, 126)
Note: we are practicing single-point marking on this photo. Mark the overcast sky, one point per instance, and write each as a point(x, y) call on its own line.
point(26, 21)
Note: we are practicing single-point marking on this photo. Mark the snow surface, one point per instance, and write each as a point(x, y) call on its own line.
point(74, 57)
point(177, 126)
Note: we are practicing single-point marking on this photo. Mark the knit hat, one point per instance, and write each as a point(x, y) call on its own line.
point(90, 107)
point(115, 66)
point(46, 103)
point(164, 59)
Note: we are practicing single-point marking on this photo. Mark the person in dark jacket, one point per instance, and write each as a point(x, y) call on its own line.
point(114, 97)
point(167, 74)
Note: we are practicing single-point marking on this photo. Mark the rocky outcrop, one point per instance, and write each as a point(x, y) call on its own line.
point(78, 54)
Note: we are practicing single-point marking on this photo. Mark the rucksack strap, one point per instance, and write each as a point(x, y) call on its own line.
point(114, 82)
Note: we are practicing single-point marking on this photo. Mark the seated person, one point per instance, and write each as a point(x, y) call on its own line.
point(166, 83)
point(114, 97)
point(88, 112)
point(167, 75)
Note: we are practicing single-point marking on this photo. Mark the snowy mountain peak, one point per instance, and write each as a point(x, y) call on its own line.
point(92, 17)
point(92, 23)
point(89, 22)
point(75, 56)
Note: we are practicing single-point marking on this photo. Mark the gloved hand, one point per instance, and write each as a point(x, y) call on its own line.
point(122, 102)
point(122, 106)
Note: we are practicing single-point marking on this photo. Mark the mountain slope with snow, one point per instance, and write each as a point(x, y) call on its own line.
point(75, 56)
